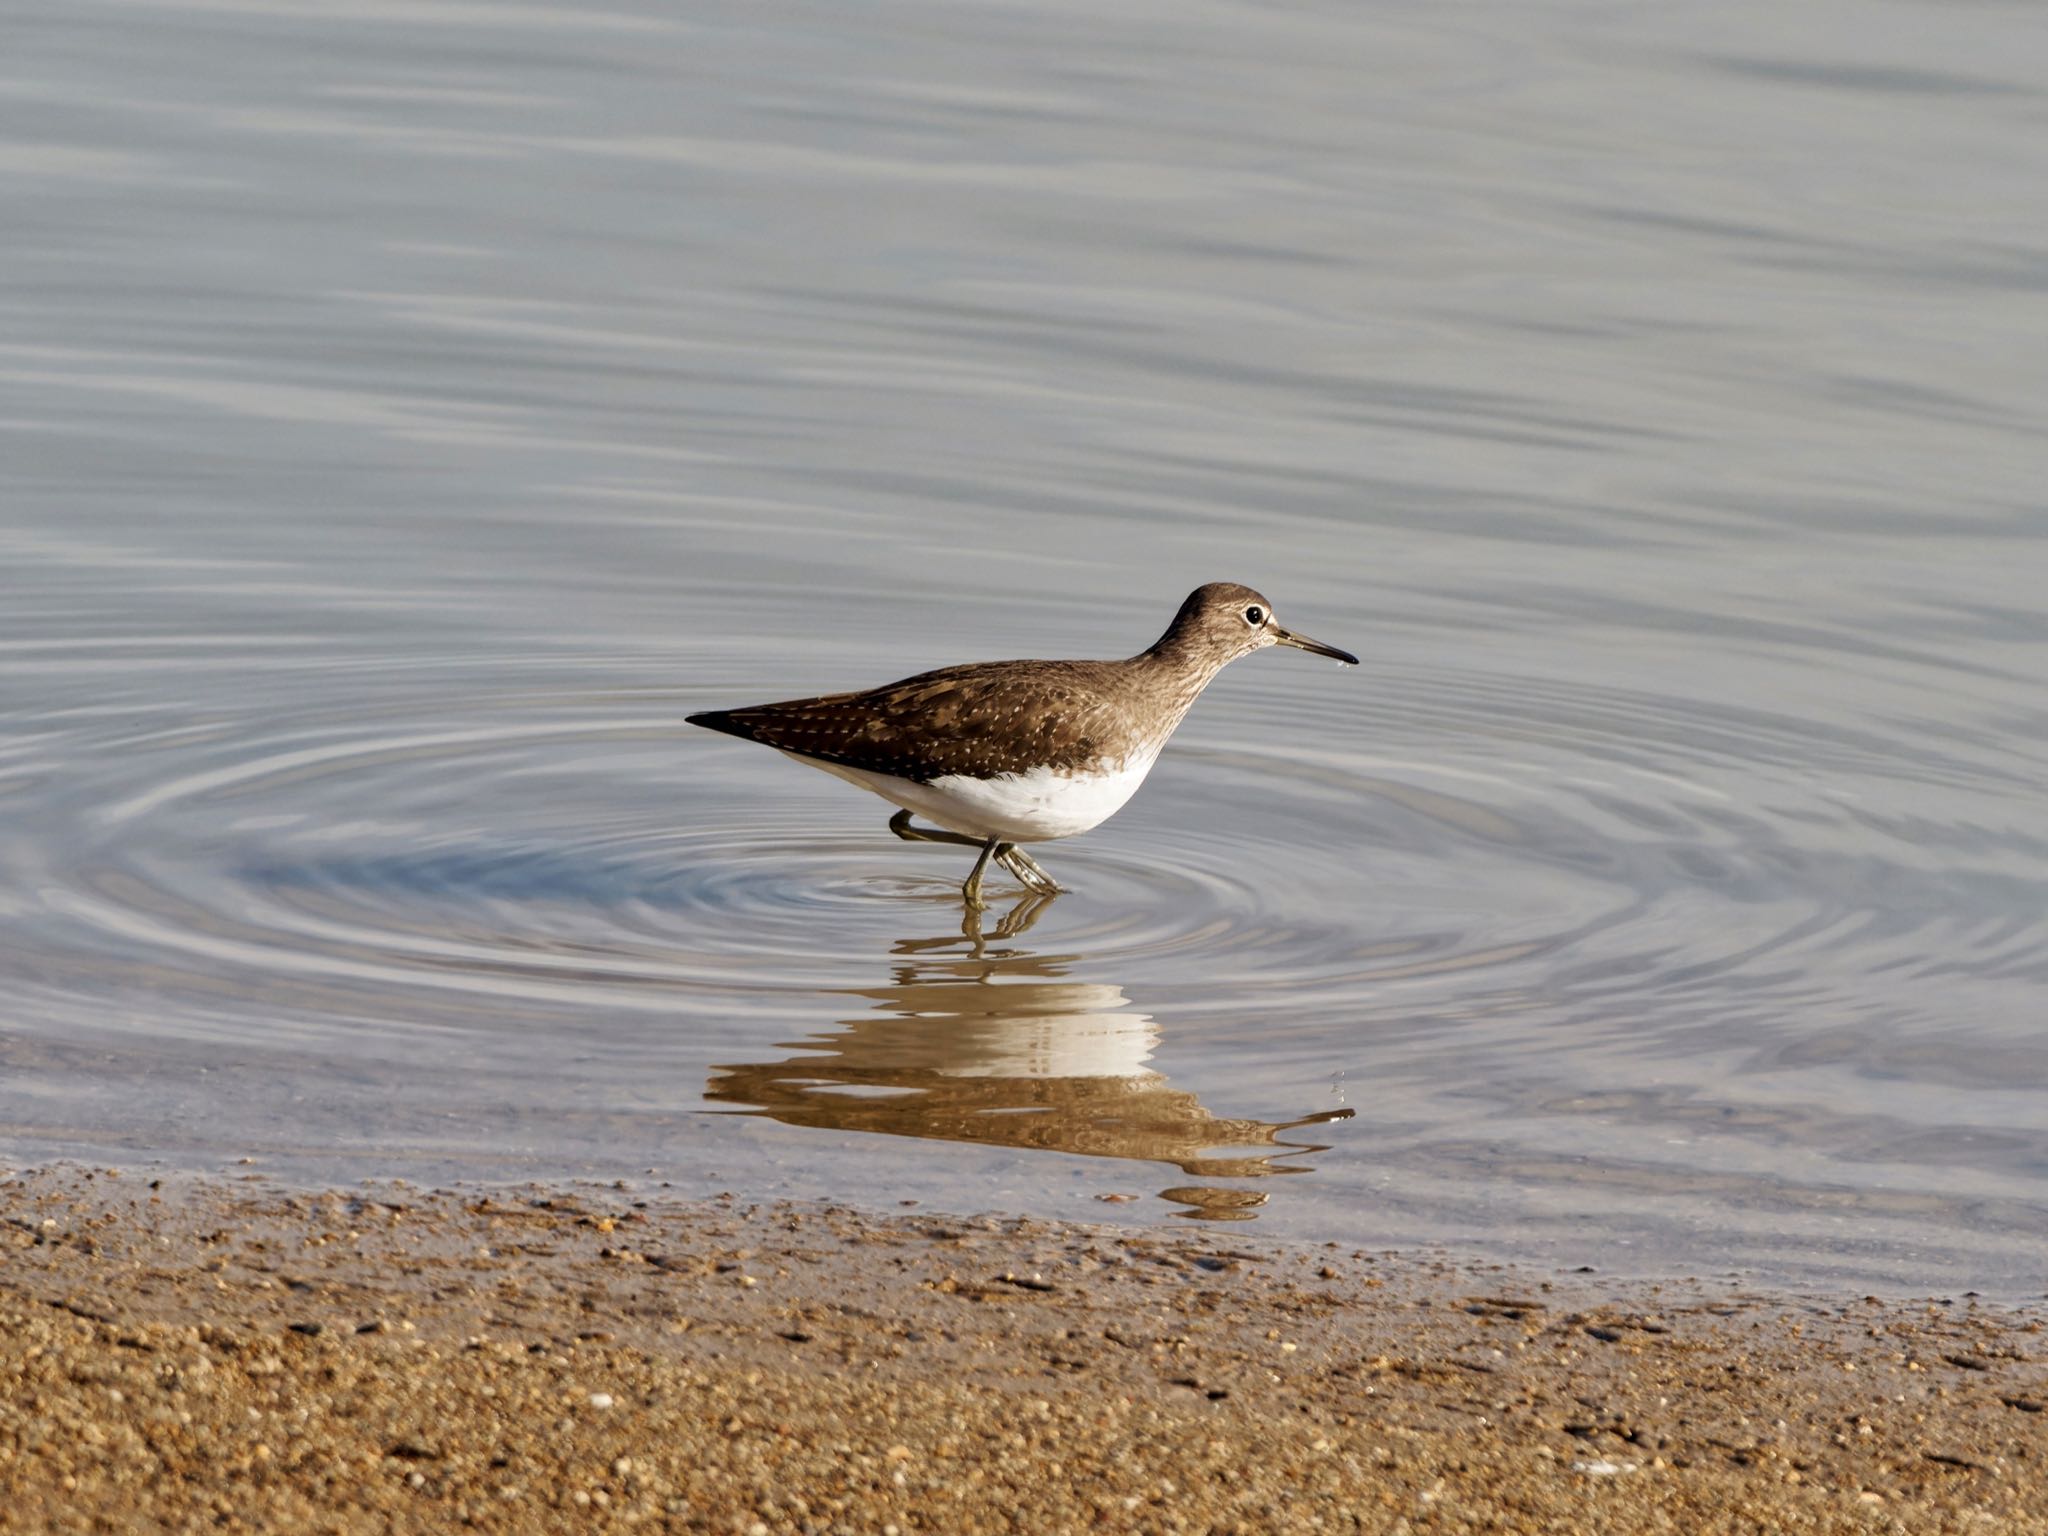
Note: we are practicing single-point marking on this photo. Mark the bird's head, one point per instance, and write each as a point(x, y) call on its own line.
point(1223, 621)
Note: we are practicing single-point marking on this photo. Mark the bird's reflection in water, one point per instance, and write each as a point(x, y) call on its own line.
point(976, 1039)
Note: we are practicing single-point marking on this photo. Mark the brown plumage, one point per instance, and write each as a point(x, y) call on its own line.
point(1014, 751)
point(980, 720)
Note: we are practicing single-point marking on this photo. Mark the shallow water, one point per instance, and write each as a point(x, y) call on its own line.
point(406, 417)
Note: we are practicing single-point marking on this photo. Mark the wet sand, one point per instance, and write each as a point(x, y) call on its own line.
point(230, 1356)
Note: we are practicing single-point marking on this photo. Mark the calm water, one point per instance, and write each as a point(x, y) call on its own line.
point(409, 413)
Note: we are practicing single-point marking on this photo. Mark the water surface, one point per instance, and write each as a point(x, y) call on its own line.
point(408, 414)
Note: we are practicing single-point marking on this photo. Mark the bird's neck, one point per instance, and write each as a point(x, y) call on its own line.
point(1179, 651)
point(1172, 674)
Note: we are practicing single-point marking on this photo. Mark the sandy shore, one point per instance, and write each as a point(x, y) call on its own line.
point(226, 1356)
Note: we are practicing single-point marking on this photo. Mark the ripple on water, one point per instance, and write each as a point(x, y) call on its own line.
point(1297, 892)
point(551, 857)
point(612, 853)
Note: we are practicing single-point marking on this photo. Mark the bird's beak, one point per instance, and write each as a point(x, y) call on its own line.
point(1315, 647)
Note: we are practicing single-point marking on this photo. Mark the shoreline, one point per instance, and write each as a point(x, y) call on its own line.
point(189, 1350)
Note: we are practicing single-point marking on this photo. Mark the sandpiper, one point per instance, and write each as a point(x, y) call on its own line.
point(1000, 753)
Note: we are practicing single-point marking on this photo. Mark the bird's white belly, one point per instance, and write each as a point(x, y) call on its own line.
point(1031, 807)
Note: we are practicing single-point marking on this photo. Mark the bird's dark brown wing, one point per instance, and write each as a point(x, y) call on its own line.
point(981, 720)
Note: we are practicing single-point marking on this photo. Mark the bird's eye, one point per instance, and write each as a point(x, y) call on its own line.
point(1255, 615)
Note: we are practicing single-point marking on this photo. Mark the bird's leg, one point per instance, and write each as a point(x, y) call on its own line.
point(972, 889)
point(1045, 881)
point(900, 825)
point(1025, 868)
point(1012, 858)
point(1006, 856)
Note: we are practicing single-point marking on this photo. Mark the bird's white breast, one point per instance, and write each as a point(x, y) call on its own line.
point(1031, 807)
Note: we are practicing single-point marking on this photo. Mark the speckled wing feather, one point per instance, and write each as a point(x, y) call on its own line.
point(981, 720)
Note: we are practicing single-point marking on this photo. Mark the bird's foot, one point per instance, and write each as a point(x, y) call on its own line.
point(1026, 869)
